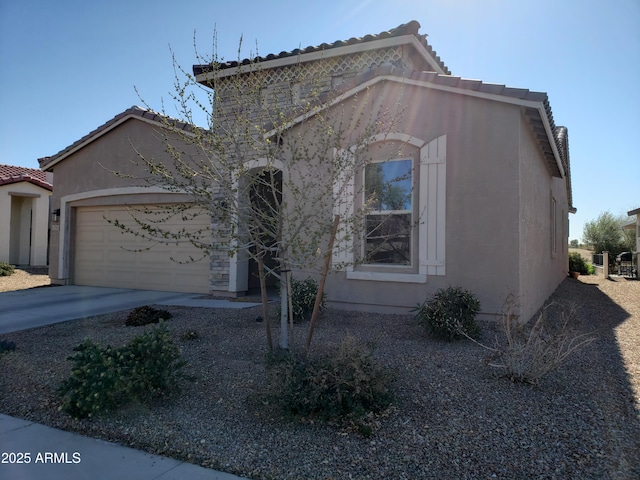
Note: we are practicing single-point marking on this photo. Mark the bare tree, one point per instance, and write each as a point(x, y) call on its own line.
point(276, 161)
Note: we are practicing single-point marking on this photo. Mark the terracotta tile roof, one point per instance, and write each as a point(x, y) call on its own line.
point(10, 174)
point(562, 140)
point(47, 162)
point(410, 28)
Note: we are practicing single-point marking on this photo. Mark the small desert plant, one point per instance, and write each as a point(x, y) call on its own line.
point(102, 379)
point(345, 384)
point(579, 264)
point(450, 314)
point(145, 315)
point(6, 346)
point(190, 335)
point(532, 350)
point(303, 298)
point(6, 269)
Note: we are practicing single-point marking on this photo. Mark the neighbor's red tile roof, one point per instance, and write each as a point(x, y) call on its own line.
point(10, 174)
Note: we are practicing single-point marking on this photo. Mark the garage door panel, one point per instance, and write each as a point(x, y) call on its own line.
point(92, 235)
point(92, 217)
point(91, 256)
point(114, 235)
point(120, 256)
point(104, 256)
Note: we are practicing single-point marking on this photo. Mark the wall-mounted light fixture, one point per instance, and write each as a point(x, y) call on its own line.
point(55, 215)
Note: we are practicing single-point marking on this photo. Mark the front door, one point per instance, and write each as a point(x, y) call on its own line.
point(266, 196)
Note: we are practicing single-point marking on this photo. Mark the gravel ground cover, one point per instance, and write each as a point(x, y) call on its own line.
point(27, 277)
point(453, 417)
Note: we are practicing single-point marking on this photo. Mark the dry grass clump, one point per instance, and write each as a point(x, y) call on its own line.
point(529, 351)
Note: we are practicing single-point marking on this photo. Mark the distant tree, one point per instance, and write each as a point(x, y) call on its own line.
point(605, 233)
point(574, 243)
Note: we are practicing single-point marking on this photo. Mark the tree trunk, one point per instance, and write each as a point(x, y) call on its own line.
point(284, 316)
point(265, 303)
point(323, 278)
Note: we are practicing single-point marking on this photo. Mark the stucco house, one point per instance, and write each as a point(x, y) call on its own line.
point(24, 215)
point(488, 167)
point(97, 179)
point(634, 225)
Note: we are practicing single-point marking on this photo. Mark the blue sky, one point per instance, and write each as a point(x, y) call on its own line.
point(68, 66)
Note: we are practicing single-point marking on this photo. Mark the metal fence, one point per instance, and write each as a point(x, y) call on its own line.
point(624, 265)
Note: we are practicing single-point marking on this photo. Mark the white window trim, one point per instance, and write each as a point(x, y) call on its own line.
point(431, 213)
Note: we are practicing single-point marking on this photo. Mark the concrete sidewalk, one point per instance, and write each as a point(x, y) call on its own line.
point(23, 309)
point(52, 454)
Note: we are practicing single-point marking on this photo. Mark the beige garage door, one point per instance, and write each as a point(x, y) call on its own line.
point(105, 257)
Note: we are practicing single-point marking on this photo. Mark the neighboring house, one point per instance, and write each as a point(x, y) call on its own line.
point(489, 171)
point(24, 215)
point(634, 226)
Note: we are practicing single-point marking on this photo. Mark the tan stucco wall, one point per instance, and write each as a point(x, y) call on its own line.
point(24, 216)
point(87, 178)
point(482, 207)
point(498, 200)
point(91, 167)
point(540, 268)
point(498, 197)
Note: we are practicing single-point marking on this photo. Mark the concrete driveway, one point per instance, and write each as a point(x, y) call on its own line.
point(23, 309)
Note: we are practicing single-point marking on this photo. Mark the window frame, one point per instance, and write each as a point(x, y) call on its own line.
point(431, 215)
point(413, 233)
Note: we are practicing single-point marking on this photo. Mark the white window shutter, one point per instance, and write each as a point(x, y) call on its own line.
point(433, 182)
point(343, 196)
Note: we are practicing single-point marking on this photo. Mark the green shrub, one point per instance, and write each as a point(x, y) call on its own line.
point(6, 346)
point(96, 383)
point(579, 264)
point(102, 379)
point(6, 269)
point(450, 314)
point(151, 364)
point(303, 298)
point(345, 384)
point(145, 315)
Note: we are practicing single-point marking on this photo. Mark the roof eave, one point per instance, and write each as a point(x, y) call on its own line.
point(31, 180)
point(134, 113)
point(408, 39)
point(55, 159)
point(537, 105)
